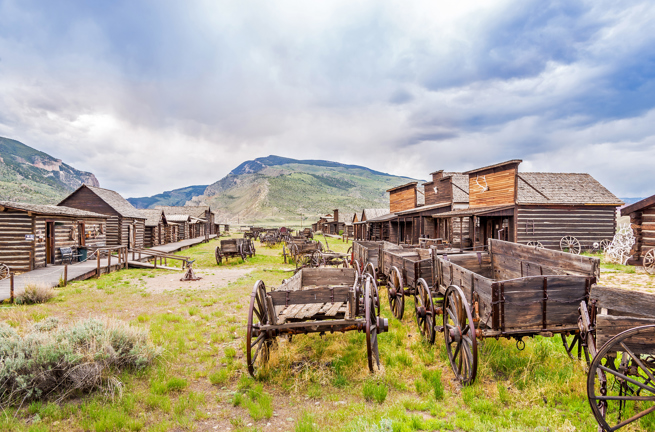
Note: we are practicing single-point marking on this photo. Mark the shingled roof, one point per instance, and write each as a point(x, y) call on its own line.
point(43, 209)
point(562, 188)
point(373, 213)
point(460, 187)
point(116, 201)
point(153, 216)
point(195, 211)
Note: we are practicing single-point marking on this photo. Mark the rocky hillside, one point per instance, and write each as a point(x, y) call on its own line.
point(177, 197)
point(274, 189)
point(29, 175)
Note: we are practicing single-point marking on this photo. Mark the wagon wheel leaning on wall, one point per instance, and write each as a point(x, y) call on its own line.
point(649, 262)
point(570, 244)
point(425, 311)
point(459, 333)
point(604, 244)
point(396, 293)
point(4, 271)
point(219, 255)
point(258, 344)
point(535, 243)
point(620, 381)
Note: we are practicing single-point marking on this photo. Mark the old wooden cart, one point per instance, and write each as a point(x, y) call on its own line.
point(270, 237)
point(617, 327)
point(253, 233)
point(232, 248)
point(301, 251)
point(511, 291)
point(366, 255)
point(313, 301)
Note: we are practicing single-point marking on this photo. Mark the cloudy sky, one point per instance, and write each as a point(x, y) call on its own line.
point(156, 95)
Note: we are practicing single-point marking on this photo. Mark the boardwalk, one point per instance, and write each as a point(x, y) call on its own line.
point(80, 271)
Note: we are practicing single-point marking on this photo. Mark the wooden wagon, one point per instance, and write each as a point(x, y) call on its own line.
point(307, 233)
point(618, 328)
point(366, 255)
point(232, 248)
point(313, 301)
point(253, 233)
point(511, 291)
point(270, 237)
point(301, 252)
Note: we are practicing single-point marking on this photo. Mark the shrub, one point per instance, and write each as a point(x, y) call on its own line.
point(375, 392)
point(55, 362)
point(219, 377)
point(35, 293)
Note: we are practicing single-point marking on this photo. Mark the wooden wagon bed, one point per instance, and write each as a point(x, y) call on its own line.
point(314, 301)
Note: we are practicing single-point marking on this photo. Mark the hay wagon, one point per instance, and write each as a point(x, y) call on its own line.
point(511, 291)
point(618, 330)
point(313, 301)
point(232, 248)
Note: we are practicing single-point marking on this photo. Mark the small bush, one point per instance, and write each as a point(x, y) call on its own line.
point(258, 403)
point(219, 377)
point(55, 362)
point(375, 392)
point(35, 293)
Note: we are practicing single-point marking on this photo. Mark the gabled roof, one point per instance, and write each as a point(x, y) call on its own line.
point(43, 209)
point(373, 213)
point(562, 188)
point(113, 200)
point(195, 211)
point(153, 216)
point(382, 218)
point(639, 205)
point(178, 218)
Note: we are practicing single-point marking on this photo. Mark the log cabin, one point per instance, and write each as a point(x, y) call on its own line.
point(155, 228)
point(363, 229)
point(202, 218)
point(32, 235)
point(524, 207)
point(182, 222)
point(331, 223)
point(642, 222)
point(125, 225)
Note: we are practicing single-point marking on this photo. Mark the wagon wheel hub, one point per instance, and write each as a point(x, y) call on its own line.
point(392, 292)
point(421, 312)
point(456, 334)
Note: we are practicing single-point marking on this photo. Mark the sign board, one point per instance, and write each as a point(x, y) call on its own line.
point(29, 237)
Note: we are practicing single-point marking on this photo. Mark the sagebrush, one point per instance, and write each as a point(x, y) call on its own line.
point(36, 293)
point(53, 362)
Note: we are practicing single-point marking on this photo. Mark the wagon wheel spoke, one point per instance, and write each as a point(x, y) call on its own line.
point(638, 361)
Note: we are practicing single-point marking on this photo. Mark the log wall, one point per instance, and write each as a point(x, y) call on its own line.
point(548, 224)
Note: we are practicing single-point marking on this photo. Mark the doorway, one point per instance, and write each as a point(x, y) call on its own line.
point(49, 242)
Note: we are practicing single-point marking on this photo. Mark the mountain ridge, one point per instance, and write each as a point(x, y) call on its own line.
point(30, 175)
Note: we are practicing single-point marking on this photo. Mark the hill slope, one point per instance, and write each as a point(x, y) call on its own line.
point(176, 197)
point(29, 175)
point(275, 189)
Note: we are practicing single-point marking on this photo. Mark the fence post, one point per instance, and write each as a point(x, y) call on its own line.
point(109, 261)
point(65, 274)
point(98, 268)
point(11, 287)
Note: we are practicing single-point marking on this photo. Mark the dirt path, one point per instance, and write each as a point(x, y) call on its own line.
point(214, 278)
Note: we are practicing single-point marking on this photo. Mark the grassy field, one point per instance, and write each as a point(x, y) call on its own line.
point(312, 383)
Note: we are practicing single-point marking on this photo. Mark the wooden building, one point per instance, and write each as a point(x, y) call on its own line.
point(202, 218)
point(642, 221)
point(32, 235)
point(362, 225)
point(155, 228)
point(515, 206)
point(334, 223)
point(182, 223)
point(125, 225)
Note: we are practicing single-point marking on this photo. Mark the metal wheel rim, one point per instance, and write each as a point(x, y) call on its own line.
point(598, 368)
point(423, 299)
point(257, 311)
point(455, 304)
point(397, 301)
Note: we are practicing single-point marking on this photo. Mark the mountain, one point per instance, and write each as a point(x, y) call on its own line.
point(177, 197)
point(29, 175)
point(277, 189)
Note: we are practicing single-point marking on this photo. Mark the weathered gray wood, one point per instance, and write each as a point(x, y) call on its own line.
point(336, 307)
point(622, 300)
point(609, 326)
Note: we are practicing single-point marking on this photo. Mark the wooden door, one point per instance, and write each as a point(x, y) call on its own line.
point(81, 234)
point(130, 236)
point(49, 242)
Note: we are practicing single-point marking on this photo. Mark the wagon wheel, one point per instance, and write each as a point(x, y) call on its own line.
point(371, 328)
point(620, 382)
point(4, 271)
point(649, 262)
point(219, 255)
point(252, 249)
point(316, 259)
point(375, 290)
point(396, 293)
point(570, 244)
point(358, 269)
point(604, 244)
point(350, 252)
point(424, 308)
point(370, 269)
point(346, 263)
point(241, 250)
point(258, 350)
point(571, 347)
point(294, 252)
point(535, 243)
point(459, 332)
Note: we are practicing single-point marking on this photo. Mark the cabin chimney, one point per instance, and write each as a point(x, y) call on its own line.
point(336, 215)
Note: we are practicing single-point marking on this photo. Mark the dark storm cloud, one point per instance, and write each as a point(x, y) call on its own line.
point(120, 88)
